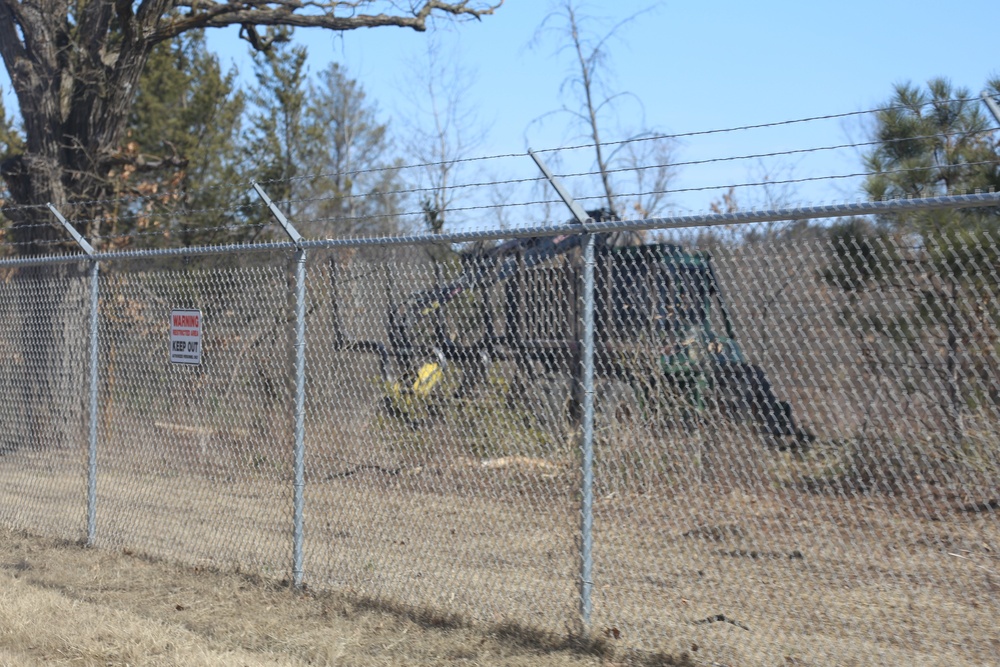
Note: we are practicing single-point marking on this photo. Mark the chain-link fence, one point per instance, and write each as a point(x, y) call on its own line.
point(756, 445)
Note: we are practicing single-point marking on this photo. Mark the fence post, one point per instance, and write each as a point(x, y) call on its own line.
point(587, 444)
point(95, 267)
point(299, 485)
point(586, 380)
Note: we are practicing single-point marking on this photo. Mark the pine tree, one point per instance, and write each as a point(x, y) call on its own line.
point(187, 116)
point(939, 266)
point(278, 145)
point(319, 147)
point(355, 182)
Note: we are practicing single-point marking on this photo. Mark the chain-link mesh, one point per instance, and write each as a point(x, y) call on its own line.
point(799, 464)
point(43, 347)
point(195, 461)
point(796, 459)
point(440, 474)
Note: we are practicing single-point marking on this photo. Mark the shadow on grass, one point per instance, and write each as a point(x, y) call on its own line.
point(512, 632)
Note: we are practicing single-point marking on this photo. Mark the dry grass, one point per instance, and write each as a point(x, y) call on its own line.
point(61, 604)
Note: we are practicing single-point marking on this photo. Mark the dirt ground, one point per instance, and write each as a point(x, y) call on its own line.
point(745, 576)
point(62, 604)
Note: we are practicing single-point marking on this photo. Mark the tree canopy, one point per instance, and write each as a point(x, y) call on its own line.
point(929, 275)
point(932, 141)
point(76, 67)
point(928, 142)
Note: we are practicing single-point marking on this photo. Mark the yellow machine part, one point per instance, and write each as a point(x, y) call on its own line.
point(427, 377)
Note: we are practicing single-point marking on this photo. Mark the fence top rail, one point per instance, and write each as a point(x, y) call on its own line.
point(976, 200)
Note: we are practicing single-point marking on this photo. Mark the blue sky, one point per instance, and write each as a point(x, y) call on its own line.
point(694, 66)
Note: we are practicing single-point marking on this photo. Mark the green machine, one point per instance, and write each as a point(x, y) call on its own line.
point(677, 294)
point(661, 326)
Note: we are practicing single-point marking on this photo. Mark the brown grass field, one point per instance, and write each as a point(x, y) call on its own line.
point(800, 578)
point(61, 604)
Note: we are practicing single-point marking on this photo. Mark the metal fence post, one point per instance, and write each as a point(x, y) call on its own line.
point(95, 268)
point(587, 444)
point(586, 380)
point(299, 399)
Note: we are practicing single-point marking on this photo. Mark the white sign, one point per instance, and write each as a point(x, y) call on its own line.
point(185, 337)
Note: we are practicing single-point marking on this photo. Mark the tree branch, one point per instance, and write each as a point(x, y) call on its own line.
point(284, 13)
point(11, 48)
point(94, 20)
point(147, 163)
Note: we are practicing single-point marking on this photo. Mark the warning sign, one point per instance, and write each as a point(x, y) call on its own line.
point(185, 337)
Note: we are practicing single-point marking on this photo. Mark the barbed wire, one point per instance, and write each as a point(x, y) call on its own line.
point(133, 198)
point(650, 192)
point(794, 151)
point(138, 198)
point(514, 181)
point(194, 230)
point(807, 179)
point(418, 165)
point(509, 181)
point(36, 225)
point(678, 135)
point(463, 234)
point(535, 202)
point(380, 216)
point(41, 242)
point(85, 222)
point(697, 133)
point(172, 212)
point(163, 233)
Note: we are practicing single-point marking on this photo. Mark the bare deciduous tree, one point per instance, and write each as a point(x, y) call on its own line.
point(646, 156)
point(441, 130)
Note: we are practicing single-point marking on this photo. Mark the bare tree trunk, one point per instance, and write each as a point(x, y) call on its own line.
point(586, 80)
point(50, 311)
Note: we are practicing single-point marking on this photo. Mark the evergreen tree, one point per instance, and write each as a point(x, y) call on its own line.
point(76, 68)
point(939, 266)
point(931, 142)
point(278, 146)
point(934, 142)
point(352, 159)
point(189, 114)
point(320, 148)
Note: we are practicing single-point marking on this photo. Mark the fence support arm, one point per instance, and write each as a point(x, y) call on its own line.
point(992, 105)
point(293, 233)
point(95, 267)
point(299, 399)
point(578, 213)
